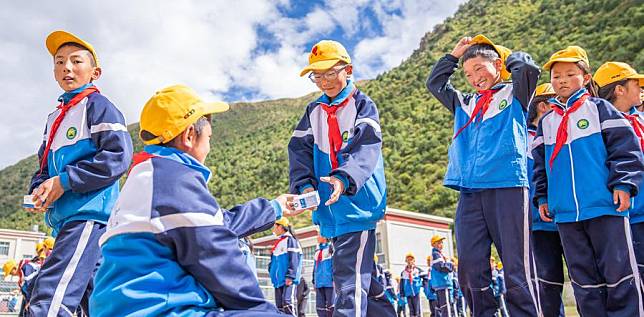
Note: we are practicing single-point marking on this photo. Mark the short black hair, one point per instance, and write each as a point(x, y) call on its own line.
point(483, 50)
point(74, 44)
point(608, 92)
point(199, 125)
point(532, 109)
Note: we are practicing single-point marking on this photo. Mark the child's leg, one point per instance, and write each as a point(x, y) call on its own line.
point(548, 254)
point(65, 275)
point(473, 244)
point(432, 308)
point(617, 264)
point(443, 309)
point(352, 266)
point(329, 295)
point(279, 298)
point(637, 232)
point(508, 218)
point(288, 299)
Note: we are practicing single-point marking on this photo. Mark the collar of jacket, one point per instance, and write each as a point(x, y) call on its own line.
point(68, 95)
point(179, 157)
point(344, 94)
point(570, 101)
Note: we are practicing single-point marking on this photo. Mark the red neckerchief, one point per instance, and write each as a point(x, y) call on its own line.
point(63, 111)
point(562, 130)
point(319, 257)
point(637, 126)
point(139, 158)
point(278, 242)
point(335, 137)
point(481, 106)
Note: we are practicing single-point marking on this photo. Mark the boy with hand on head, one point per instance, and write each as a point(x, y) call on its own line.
point(170, 249)
point(488, 165)
point(86, 149)
point(336, 150)
point(587, 165)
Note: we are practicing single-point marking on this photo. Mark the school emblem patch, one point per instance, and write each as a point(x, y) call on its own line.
point(71, 133)
point(583, 124)
point(504, 104)
point(345, 136)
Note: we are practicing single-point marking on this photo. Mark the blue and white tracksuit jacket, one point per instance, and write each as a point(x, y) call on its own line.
point(489, 153)
point(92, 149)
point(323, 270)
point(29, 271)
point(441, 271)
point(170, 249)
point(537, 223)
point(636, 213)
point(360, 163)
point(600, 155)
point(286, 261)
point(411, 287)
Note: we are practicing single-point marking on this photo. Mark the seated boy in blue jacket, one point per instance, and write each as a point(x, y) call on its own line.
point(170, 249)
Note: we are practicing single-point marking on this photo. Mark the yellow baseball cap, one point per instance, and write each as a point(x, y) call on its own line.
point(410, 254)
point(283, 222)
point(499, 265)
point(324, 55)
point(8, 266)
point(611, 72)
point(57, 38)
point(570, 54)
point(437, 238)
point(49, 242)
point(39, 246)
point(173, 109)
point(544, 90)
point(375, 258)
point(503, 51)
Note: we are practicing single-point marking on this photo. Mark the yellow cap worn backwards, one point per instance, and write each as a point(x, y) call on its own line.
point(503, 52)
point(544, 90)
point(8, 266)
point(410, 255)
point(282, 221)
point(173, 109)
point(57, 38)
point(570, 54)
point(324, 55)
point(611, 72)
point(49, 242)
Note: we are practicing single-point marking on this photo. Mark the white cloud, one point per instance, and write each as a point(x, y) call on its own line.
point(209, 45)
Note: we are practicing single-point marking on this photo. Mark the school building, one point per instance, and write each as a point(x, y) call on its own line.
point(398, 233)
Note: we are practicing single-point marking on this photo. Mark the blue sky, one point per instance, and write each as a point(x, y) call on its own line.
point(252, 50)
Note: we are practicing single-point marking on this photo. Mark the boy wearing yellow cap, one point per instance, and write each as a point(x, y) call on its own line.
point(620, 84)
point(169, 248)
point(587, 166)
point(86, 148)
point(488, 165)
point(547, 249)
point(336, 150)
point(441, 277)
point(285, 267)
point(411, 281)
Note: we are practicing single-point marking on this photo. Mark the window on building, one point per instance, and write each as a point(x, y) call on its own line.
point(378, 243)
point(308, 253)
point(4, 248)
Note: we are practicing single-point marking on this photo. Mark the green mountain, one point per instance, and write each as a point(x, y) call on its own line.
point(249, 156)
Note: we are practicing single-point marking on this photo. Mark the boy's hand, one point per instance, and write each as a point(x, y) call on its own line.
point(47, 193)
point(338, 189)
point(288, 208)
point(288, 282)
point(622, 198)
point(462, 46)
point(544, 213)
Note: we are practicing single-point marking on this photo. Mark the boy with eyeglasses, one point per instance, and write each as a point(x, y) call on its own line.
point(336, 150)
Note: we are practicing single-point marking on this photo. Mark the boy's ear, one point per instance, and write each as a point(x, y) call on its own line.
point(587, 79)
point(96, 73)
point(619, 90)
point(498, 65)
point(349, 69)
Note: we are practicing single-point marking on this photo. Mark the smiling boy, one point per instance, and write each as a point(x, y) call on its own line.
point(86, 149)
point(488, 166)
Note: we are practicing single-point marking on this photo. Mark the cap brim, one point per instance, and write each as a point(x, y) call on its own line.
point(321, 65)
point(547, 65)
point(214, 107)
point(639, 77)
point(58, 38)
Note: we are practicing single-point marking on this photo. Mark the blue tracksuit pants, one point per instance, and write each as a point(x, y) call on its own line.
point(285, 299)
point(498, 216)
point(324, 297)
point(357, 293)
point(443, 305)
point(65, 279)
point(602, 267)
point(548, 256)
point(637, 232)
